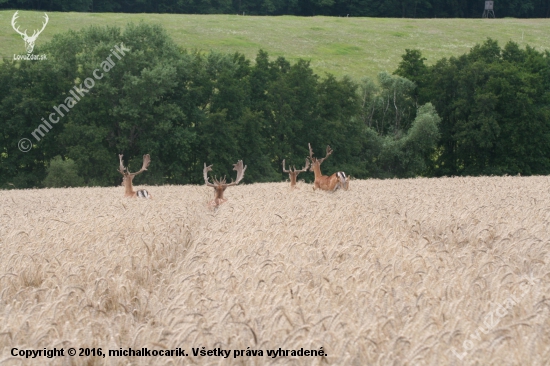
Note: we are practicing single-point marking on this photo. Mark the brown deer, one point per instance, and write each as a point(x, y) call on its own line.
point(293, 173)
point(220, 185)
point(129, 177)
point(326, 183)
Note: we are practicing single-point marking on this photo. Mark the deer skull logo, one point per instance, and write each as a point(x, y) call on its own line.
point(29, 40)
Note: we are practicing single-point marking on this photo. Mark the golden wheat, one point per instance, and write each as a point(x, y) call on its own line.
point(401, 272)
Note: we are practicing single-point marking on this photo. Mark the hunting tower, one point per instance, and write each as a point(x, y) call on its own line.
point(488, 12)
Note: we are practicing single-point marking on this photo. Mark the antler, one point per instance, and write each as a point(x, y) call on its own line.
point(311, 152)
point(304, 169)
point(146, 162)
point(13, 19)
point(121, 168)
point(329, 151)
point(205, 174)
point(35, 34)
point(124, 171)
point(240, 173)
point(284, 169)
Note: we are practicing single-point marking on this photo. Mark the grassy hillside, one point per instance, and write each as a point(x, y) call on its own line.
point(390, 272)
point(354, 46)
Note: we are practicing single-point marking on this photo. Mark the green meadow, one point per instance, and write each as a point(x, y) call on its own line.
point(356, 47)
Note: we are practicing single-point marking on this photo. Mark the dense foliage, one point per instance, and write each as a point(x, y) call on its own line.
point(187, 109)
point(486, 112)
point(495, 108)
point(62, 173)
point(356, 8)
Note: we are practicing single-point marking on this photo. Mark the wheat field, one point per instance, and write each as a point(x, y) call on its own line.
point(450, 271)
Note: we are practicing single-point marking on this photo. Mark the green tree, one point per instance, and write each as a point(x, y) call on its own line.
point(27, 93)
point(187, 108)
point(410, 155)
point(62, 173)
point(388, 106)
point(494, 104)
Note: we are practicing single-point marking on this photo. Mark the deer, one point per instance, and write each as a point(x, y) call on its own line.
point(326, 183)
point(128, 177)
point(293, 173)
point(29, 41)
point(220, 185)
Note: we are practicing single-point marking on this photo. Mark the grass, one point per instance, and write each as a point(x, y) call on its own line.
point(356, 47)
point(391, 272)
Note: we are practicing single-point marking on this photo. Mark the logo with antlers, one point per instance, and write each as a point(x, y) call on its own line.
point(29, 40)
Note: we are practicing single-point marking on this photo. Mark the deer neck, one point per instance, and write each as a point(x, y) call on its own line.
point(293, 176)
point(317, 170)
point(219, 192)
point(128, 188)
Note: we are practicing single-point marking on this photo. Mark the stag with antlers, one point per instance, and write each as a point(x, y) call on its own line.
point(129, 177)
point(293, 173)
point(220, 185)
point(326, 183)
point(29, 41)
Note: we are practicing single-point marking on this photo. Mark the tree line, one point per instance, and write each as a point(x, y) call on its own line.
point(355, 8)
point(486, 112)
point(494, 105)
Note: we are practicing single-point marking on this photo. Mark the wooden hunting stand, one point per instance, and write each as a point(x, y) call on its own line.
point(488, 12)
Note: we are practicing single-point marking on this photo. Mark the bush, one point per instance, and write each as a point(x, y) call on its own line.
point(62, 173)
point(409, 155)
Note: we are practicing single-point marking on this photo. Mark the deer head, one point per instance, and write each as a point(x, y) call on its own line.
point(316, 163)
point(29, 41)
point(293, 173)
point(128, 177)
point(220, 185)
